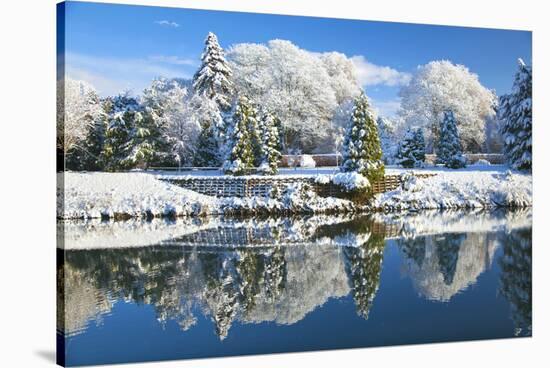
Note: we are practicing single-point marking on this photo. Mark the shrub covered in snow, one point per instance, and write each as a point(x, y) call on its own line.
point(351, 181)
point(307, 161)
point(463, 189)
point(481, 162)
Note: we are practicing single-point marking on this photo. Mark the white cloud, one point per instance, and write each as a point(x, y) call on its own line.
point(111, 75)
point(386, 108)
point(169, 59)
point(370, 74)
point(167, 23)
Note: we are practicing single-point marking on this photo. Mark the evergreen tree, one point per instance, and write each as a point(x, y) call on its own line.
point(270, 139)
point(361, 150)
point(123, 111)
point(412, 150)
point(207, 153)
point(449, 150)
point(386, 133)
point(243, 139)
point(515, 117)
point(213, 79)
point(93, 145)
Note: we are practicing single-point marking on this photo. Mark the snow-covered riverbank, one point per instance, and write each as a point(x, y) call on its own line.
point(127, 195)
point(140, 194)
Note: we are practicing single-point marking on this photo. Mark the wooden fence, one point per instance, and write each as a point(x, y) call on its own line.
point(262, 186)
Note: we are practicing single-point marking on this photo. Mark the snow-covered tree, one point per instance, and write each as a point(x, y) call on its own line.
point(439, 86)
point(386, 132)
point(124, 111)
point(449, 150)
point(412, 150)
point(213, 79)
point(175, 117)
point(361, 150)
point(301, 88)
point(515, 116)
point(243, 139)
point(207, 153)
point(270, 139)
point(78, 107)
point(86, 155)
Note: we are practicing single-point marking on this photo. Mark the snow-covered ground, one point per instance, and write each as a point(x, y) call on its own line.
point(471, 187)
point(142, 194)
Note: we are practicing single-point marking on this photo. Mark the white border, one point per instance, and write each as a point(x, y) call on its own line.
point(27, 152)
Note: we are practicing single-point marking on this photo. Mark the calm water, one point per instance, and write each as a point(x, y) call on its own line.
point(141, 291)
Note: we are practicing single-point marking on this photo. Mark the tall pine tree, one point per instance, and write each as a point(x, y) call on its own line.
point(515, 117)
point(412, 150)
point(449, 150)
point(270, 139)
point(213, 81)
point(361, 150)
point(243, 139)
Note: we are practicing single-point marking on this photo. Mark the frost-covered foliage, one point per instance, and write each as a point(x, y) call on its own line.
point(133, 137)
point(388, 142)
point(361, 151)
point(270, 139)
point(515, 278)
point(213, 79)
point(439, 86)
point(124, 112)
point(412, 149)
point(244, 142)
point(453, 189)
point(350, 181)
point(177, 119)
point(78, 108)
point(301, 88)
point(449, 150)
point(207, 153)
point(515, 116)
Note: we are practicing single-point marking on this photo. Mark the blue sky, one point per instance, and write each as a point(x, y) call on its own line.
point(117, 47)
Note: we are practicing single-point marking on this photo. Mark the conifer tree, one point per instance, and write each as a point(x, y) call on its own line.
point(123, 112)
point(515, 117)
point(243, 139)
point(213, 79)
point(361, 150)
point(207, 153)
point(412, 150)
point(449, 150)
point(386, 133)
point(270, 139)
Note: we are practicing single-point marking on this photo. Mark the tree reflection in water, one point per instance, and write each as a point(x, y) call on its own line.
point(280, 270)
